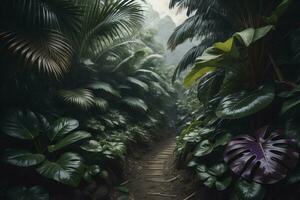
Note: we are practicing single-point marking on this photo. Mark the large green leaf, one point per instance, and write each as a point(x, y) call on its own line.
point(204, 148)
point(21, 125)
point(244, 103)
point(23, 193)
point(196, 74)
point(101, 104)
point(251, 35)
point(68, 169)
point(214, 176)
point(62, 127)
point(209, 85)
point(247, 191)
point(21, 158)
point(70, 139)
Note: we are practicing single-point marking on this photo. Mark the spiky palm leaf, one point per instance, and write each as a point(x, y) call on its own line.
point(148, 74)
point(106, 87)
point(151, 60)
point(82, 98)
point(142, 85)
point(101, 103)
point(135, 103)
point(35, 32)
point(214, 21)
point(106, 21)
point(50, 52)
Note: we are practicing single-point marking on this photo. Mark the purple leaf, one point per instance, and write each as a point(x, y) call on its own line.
point(264, 158)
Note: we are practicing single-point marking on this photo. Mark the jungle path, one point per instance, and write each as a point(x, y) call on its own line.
point(154, 177)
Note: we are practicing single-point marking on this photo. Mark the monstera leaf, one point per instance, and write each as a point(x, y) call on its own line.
point(22, 125)
point(62, 127)
point(264, 158)
point(21, 158)
point(68, 169)
point(23, 193)
point(68, 140)
point(244, 103)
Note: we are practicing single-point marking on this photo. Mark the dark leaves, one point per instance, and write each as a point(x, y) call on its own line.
point(264, 158)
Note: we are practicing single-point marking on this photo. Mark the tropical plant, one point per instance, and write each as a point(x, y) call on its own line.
point(47, 140)
point(242, 89)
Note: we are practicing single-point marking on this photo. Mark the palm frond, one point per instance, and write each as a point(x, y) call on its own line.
point(150, 60)
point(108, 21)
point(157, 87)
point(190, 57)
point(135, 104)
point(34, 15)
point(138, 83)
point(101, 103)
point(116, 48)
point(106, 87)
point(81, 98)
point(148, 74)
point(50, 52)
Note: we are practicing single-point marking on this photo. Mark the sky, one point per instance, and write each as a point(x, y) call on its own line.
point(162, 6)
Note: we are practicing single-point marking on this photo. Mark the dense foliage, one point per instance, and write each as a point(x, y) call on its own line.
point(242, 137)
point(79, 88)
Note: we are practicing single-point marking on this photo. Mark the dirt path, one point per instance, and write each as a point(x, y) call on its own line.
point(154, 177)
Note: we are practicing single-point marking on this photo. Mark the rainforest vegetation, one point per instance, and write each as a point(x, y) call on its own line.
point(86, 85)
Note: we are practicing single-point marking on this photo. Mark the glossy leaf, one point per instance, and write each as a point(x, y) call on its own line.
point(92, 146)
point(214, 176)
point(23, 193)
point(209, 85)
point(21, 158)
point(62, 127)
point(68, 169)
point(244, 103)
point(248, 191)
point(68, 140)
point(251, 35)
point(204, 148)
point(21, 125)
point(196, 74)
point(225, 46)
point(264, 158)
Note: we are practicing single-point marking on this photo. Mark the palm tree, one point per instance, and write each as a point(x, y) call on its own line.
point(211, 21)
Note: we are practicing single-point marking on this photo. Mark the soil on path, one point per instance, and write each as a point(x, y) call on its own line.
point(154, 177)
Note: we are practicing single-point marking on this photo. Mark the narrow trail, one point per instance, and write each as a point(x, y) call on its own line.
point(154, 178)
